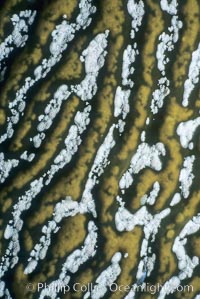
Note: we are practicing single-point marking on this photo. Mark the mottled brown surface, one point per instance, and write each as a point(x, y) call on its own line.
point(111, 15)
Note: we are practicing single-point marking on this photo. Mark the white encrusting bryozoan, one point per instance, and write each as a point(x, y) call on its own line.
point(62, 35)
point(186, 130)
point(131, 294)
point(63, 209)
point(69, 208)
point(145, 156)
point(152, 196)
point(143, 136)
point(17, 39)
point(72, 142)
point(6, 166)
point(121, 109)
point(72, 264)
point(100, 162)
point(129, 57)
point(186, 176)
point(86, 204)
point(170, 6)
point(45, 120)
point(175, 199)
point(4, 292)
point(166, 44)
point(101, 159)
point(160, 94)
point(136, 10)
point(27, 157)
point(126, 221)
point(121, 102)
point(193, 76)
point(106, 278)
point(186, 264)
point(94, 58)
point(93, 64)
point(150, 230)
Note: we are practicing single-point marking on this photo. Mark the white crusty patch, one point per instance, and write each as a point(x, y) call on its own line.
point(145, 156)
point(62, 35)
point(126, 221)
point(72, 141)
point(170, 6)
point(18, 37)
point(94, 58)
point(100, 162)
point(65, 208)
point(106, 278)
point(68, 207)
point(129, 57)
point(193, 76)
point(45, 120)
point(159, 95)
point(186, 264)
point(186, 176)
point(186, 130)
point(93, 63)
point(27, 157)
point(136, 10)
point(121, 110)
point(152, 196)
point(175, 199)
point(121, 103)
point(166, 44)
point(72, 263)
point(6, 166)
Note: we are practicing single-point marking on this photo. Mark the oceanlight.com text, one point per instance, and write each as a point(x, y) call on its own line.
point(114, 287)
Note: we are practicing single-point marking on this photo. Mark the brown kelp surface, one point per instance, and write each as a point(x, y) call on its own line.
point(71, 179)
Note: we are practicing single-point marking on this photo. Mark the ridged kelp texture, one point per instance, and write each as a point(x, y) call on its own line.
point(99, 147)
